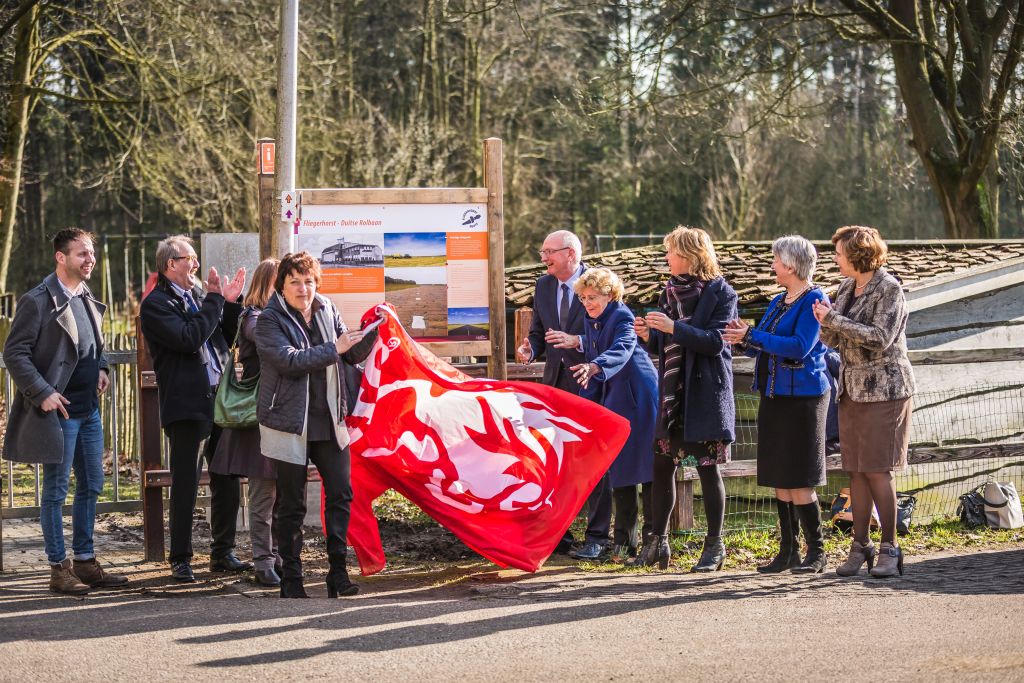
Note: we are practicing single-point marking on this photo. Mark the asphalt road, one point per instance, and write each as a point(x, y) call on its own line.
point(951, 618)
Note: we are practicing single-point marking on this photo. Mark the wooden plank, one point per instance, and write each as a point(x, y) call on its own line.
point(958, 356)
point(266, 204)
point(931, 454)
point(162, 478)
point(494, 182)
point(149, 452)
point(396, 195)
point(458, 348)
point(975, 281)
point(682, 515)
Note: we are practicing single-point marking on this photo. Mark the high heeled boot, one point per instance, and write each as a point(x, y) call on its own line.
point(339, 585)
point(789, 547)
point(810, 520)
point(890, 561)
point(648, 554)
point(293, 588)
point(859, 554)
point(712, 557)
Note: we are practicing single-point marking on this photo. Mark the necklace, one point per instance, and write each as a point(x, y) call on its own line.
point(790, 298)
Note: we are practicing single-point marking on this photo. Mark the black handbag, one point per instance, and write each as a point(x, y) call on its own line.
point(972, 509)
point(904, 512)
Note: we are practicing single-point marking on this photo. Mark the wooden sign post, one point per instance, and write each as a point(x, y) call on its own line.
point(436, 254)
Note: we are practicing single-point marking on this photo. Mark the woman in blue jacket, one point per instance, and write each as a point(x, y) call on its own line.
point(793, 380)
point(697, 414)
point(619, 375)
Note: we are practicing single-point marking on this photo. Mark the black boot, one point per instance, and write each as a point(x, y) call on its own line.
point(292, 588)
point(648, 554)
point(789, 548)
point(664, 551)
point(339, 585)
point(810, 520)
point(712, 557)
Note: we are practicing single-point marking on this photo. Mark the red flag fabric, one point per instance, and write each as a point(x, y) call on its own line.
point(504, 465)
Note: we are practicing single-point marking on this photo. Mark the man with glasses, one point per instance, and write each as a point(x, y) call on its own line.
point(54, 354)
point(555, 332)
point(187, 334)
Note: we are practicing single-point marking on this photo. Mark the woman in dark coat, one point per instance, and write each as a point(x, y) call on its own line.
point(238, 450)
point(303, 345)
point(697, 413)
point(619, 375)
point(793, 380)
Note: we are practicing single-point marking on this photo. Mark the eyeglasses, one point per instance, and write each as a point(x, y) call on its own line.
point(189, 257)
point(592, 297)
point(544, 253)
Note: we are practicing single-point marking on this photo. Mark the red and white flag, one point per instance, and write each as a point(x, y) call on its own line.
point(504, 465)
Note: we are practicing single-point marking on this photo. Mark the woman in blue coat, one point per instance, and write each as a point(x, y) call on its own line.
point(697, 414)
point(794, 383)
point(619, 375)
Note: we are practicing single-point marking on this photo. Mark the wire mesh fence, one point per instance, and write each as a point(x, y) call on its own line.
point(978, 415)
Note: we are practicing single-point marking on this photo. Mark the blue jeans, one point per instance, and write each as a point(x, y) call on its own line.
point(83, 449)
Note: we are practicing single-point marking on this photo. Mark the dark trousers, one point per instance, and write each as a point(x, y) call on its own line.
point(185, 436)
point(599, 511)
point(627, 513)
point(334, 466)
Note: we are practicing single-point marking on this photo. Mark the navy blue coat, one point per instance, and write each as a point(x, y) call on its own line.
point(794, 353)
point(545, 316)
point(627, 385)
point(709, 407)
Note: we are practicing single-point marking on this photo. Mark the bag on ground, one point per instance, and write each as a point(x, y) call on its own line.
point(904, 512)
point(1002, 506)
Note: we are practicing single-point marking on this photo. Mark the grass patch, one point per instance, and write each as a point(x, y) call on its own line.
point(415, 261)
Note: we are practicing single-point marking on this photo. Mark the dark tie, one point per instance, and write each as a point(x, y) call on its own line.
point(563, 309)
point(214, 359)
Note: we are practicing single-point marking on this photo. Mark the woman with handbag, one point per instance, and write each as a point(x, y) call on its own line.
point(303, 345)
point(238, 451)
point(793, 381)
point(696, 411)
point(868, 325)
point(618, 374)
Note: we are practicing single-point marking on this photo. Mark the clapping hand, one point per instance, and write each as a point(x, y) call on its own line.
point(641, 329)
point(659, 321)
point(821, 309)
point(230, 289)
point(735, 331)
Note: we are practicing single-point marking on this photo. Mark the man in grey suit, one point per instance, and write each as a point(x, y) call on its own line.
point(55, 356)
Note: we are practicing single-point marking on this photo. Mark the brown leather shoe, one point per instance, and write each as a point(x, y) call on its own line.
point(91, 573)
point(63, 580)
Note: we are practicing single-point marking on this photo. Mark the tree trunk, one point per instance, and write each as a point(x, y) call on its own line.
point(17, 130)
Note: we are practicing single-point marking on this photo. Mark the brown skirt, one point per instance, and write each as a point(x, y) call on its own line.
point(873, 437)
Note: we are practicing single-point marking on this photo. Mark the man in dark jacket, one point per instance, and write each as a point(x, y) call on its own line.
point(55, 356)
point(555, 331)
point(187, 335)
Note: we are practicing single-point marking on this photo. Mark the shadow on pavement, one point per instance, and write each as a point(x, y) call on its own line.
point(405, 617)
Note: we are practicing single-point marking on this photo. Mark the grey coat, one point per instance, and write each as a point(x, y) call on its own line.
point(871, 340)
point(41, 353)
point(286, 360)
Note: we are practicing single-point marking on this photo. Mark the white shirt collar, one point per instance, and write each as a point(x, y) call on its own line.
point(71, 293)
